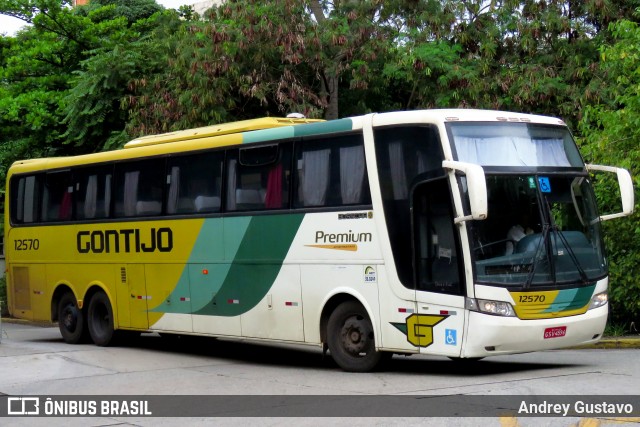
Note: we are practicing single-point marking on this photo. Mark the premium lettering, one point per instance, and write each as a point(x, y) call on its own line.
point(125, 241)
point(350, 237)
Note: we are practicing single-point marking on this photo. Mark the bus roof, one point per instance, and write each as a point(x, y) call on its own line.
point(266, 129)
point(217, 130)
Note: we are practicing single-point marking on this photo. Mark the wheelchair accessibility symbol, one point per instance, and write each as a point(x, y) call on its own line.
point(545, 185)
point(450, 337)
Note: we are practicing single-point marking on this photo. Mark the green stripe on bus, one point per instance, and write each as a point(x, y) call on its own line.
point(571, 299)
point(208, 264)
point(257, 263)
point(254, 250)
point(332, 126)
point(268, 134)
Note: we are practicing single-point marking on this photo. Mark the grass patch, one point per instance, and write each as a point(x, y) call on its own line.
point(616, 330)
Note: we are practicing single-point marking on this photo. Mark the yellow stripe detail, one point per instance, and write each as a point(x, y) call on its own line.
point(346, 247)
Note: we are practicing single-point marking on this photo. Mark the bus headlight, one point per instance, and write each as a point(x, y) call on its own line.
point(498, 308)
point(599, 300)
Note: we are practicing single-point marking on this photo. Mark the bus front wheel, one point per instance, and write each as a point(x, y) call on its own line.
point(351, 340)
point(70, 319)
point(100, 320)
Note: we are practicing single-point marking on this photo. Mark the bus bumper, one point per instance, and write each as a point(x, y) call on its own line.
point(489, 335)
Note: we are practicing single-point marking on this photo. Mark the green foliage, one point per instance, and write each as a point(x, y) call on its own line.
point(243, 63)
point(615, 330)
point(95, 108)
point(612, 131)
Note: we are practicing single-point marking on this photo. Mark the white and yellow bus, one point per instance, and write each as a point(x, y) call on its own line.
point(460, 233)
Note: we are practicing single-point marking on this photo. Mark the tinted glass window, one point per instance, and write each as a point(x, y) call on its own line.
point(406, 156)
point(195, 183)
point(139, 188)
point(93, 190)
point(27, 193)
point(57, 196)
point(259, 178)
point(331, 172)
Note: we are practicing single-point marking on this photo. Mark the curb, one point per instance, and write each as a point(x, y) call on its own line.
point(612, 343)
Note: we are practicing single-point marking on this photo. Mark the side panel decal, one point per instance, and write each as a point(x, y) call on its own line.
point(258, 246)
point(419, 328)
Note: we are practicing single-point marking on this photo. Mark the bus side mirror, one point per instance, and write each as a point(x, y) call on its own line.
point(476, 188)
point(626, 189)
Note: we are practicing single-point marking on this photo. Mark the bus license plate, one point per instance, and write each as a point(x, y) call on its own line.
point(560, 331)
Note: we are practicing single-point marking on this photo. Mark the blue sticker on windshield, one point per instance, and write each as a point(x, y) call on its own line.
point(545, 185)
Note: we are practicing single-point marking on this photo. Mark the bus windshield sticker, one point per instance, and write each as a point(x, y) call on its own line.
point(545, 185)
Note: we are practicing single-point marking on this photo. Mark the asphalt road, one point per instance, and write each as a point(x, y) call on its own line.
point(35, 361)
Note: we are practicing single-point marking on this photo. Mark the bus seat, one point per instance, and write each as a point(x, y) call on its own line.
point(248, 198)
point(207, 203)
point(148, 208)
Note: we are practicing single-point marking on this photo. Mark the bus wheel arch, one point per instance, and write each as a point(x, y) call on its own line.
point(347, 329)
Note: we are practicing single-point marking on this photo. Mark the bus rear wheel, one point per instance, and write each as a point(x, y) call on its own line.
point(351, 340)
point(70, 319)
point(100, 320)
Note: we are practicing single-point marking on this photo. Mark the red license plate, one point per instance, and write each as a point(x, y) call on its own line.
point(560, 331)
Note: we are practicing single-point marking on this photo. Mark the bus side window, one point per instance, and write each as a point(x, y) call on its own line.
point(259, 178)
point(93, 192)
point(56, 197)
point(139, 188)
point(194, 183)
point(27, 191)
point(331, 172)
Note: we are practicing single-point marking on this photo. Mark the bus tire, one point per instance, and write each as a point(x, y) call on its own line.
point(100, 320)
point(71, 320)
point(351, 340)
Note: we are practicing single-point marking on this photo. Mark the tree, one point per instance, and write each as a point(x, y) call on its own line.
point(611, 131)
point(95, 109)
point(250, 58)
point(49, 103)
point(525, 56)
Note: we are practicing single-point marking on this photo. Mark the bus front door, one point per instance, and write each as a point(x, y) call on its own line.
point(439, 276)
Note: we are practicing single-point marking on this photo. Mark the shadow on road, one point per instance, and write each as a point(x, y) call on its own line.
point(301, 357)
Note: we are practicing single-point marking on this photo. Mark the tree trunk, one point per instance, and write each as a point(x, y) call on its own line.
point(332, 95)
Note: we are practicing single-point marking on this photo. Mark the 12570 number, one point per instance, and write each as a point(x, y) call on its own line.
point(26, 244)
point(532, 298)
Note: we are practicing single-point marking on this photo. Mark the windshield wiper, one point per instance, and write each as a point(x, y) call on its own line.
point(550, 226)
point(572, 254)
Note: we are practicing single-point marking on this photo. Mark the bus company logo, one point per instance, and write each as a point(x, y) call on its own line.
point(419, 328)
point(23, 406)
point(340, 241)
point(127, 240)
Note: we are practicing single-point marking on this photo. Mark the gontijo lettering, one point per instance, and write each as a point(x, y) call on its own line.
point(126, 240)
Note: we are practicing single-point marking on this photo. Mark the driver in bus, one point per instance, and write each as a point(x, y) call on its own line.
point(517, 232)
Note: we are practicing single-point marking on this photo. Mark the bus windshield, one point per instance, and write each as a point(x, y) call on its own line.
point(515, 144)
point(540, 230)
